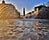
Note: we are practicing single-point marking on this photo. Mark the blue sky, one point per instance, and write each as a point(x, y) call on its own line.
point(28, 4)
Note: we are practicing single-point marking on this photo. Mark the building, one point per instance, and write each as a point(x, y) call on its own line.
point(8, 16)
point(32, 14)
point(24, 11)
point(43, 13)
point(8, 11)
point(23, 16)
point(40, 11)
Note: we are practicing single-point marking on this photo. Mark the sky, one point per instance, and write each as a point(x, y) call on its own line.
point(28, 4)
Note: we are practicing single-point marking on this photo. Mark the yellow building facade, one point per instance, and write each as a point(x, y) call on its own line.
point(8, 14)
point(8, 11)
point(32, 14)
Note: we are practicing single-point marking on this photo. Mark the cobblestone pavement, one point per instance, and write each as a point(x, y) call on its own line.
point(24, 32)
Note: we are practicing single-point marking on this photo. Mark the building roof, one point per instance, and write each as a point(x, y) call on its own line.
point(40, 7)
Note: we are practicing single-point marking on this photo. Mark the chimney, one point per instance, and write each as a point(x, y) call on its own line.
point(24, 11)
